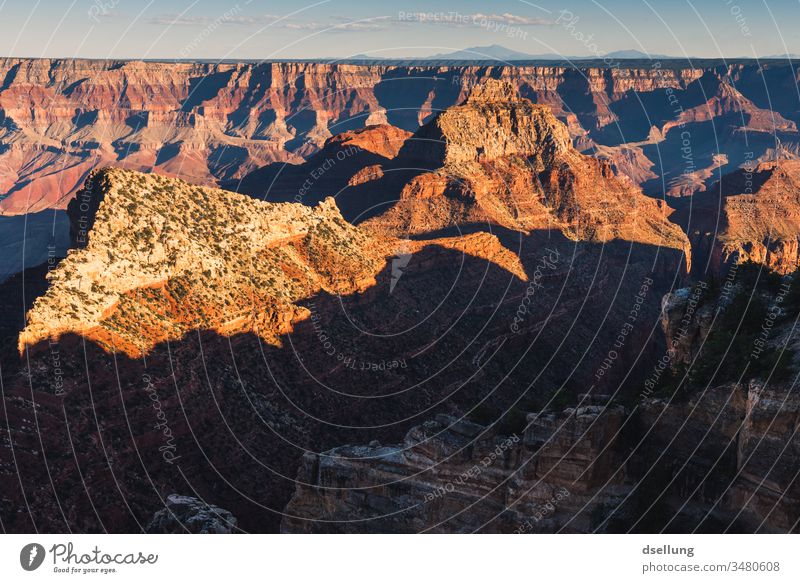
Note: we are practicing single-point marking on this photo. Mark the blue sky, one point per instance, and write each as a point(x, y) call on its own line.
point(263, 29)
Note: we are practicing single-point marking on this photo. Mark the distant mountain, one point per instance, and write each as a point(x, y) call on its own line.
point(493, 52)
point(501, 53)
point(634, 54)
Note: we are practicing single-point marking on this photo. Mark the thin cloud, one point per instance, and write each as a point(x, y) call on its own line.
point(508, 18)
point(168, 20)
point(344, 24)
point(476, 19)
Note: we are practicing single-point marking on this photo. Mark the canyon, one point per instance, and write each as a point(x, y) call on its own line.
point(673, 127)
point(457, 306)
point(211, 122)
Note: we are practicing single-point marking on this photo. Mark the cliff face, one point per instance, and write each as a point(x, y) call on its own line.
point(501, 160)
point(208, 123)
point(729, 454)
point(750, 215)
point(453, 475)
point(152, 250)
point(725, 459)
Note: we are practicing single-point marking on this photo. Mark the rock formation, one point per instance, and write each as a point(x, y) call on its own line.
point(157, 257)
point(212, 122)
point(187, 514)
point(453, 475)
point(752, 214)
point(502, 160)
point(178, 378)
point(164, 257)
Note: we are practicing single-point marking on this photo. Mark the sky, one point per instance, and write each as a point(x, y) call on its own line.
point(309, 29)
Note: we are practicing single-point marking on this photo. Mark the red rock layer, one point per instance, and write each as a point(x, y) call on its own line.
point(213, 122)
point(751, 215)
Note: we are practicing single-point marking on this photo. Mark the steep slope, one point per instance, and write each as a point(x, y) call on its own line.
point(30, 240)
point(752, 214)
point(163, 257)
point(158, 257)
point(500, 159)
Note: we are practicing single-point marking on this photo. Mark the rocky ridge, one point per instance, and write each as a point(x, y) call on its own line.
point(157, 257)
point(500, 159)
point(752, 214)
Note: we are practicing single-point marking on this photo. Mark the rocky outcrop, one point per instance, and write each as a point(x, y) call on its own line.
point(750, 215)
point(731, 453)
point(187, 514)
point(686, 317)
point(212, 122)
point(494, 122)
point(500, 159)
point(152, 250)
point(157, 257)
point(382, 140)
point(453, 475)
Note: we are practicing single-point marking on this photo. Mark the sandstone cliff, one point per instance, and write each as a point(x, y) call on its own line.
point(750, 215)
point(207, 122)
point(156, 257)
point(501, 160)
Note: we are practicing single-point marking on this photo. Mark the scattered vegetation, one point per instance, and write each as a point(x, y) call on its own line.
point(748, 337)
point(221, 260)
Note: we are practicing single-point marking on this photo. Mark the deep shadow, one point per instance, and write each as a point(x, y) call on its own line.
point(242, 411)
point(403, 93)
point(204, 88)
point(328, 173)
